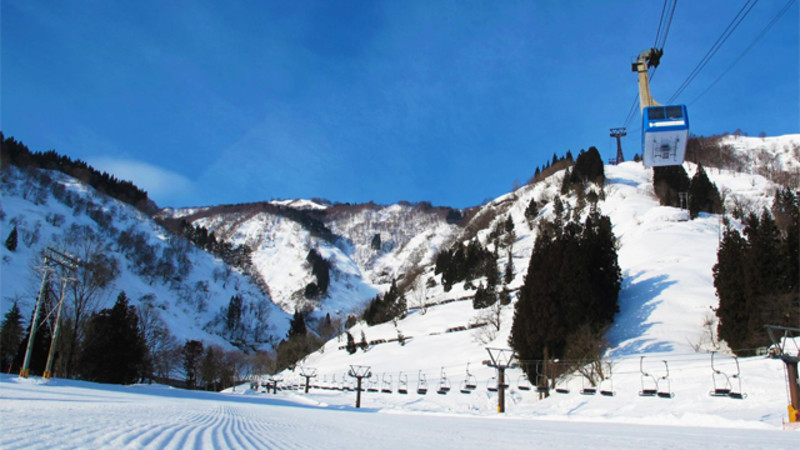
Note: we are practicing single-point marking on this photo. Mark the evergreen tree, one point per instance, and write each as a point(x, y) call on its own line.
point(351, 344)
point(192, 353)
point(572, 284)
point(509, 272)
point(668, 183)
point(756, 281)
point(11, 240)
point(321, 270)
point(375, 244)
point(234, 316)
point(11, 336)
point(297, 325)
point(703, 195)
point(484, 297)
point(114, 349)
point(363, 343)
point(532, 211)
point(729, 280)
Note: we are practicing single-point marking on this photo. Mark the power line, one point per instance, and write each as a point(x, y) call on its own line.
point(734, 23)
point(763, 32)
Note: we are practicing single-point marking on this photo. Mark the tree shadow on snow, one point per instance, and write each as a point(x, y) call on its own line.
point(638, 298)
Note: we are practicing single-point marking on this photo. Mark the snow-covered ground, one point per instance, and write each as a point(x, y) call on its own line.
point(71, 414)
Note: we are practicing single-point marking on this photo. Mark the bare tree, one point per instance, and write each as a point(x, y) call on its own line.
point(94, 277)
point(419, 295)
point(492, 317)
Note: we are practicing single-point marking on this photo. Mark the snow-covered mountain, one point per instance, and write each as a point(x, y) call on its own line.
point(368, 246)
point(187, 289)
point(667, 291)
point(666, 302)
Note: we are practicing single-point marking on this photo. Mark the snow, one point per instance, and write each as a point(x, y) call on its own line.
point(70, 414)
point(667, 296)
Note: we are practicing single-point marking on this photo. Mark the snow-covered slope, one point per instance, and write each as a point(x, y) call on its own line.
point(187, 288)
point(667, 296)
point(409, 236)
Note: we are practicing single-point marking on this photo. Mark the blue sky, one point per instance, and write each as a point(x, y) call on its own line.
point(205, 102)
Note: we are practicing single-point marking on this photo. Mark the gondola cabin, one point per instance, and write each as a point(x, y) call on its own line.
point(665, 130)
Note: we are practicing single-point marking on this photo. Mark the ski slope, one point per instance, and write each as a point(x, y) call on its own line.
point(72, 414)
point(667, 295)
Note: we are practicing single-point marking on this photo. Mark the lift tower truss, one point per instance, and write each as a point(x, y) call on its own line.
point(786, 347)
point(618, 133)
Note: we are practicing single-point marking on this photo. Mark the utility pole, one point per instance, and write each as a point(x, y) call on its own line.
point(50, 259)
point(308, 374)
point(359, 372)
point(781, 337)
point(48, 371)
point(501, 359)
point(618, 133)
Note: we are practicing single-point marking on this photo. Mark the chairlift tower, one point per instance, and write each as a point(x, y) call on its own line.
point(501, 359)
point(618, 133)
point(359, 373)
point(308, 374)
point(781, 338)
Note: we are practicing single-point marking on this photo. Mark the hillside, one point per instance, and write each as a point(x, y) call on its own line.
point(667, 296)
point(184, 288)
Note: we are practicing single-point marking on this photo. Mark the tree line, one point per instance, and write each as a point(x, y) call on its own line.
point(16, 153)
point(756, 274)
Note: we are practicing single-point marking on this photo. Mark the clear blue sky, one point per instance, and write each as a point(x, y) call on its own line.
point(204, 102)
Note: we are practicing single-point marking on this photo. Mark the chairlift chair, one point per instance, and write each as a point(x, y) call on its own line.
point(402, 383)
point(387, 384)
point(523, 384)
point(665, 393)
point(725, 388)
point(564, 387)
point(422, 384)
point(491, 384)
point(649, 387)
point(372, 384)
point(444, 384)
point(607, 384)
point(587, 390)
point(469, 384)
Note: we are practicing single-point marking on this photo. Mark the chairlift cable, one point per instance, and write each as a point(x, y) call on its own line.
point(763, 32)
point(726, 33)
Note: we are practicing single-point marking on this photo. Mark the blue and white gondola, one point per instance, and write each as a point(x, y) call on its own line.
point(665, 130)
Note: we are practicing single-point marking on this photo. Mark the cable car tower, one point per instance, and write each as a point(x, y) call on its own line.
point(665, 128)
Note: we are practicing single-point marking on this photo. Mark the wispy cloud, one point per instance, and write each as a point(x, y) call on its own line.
point(165, 187)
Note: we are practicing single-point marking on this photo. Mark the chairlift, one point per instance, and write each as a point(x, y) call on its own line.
point(607, 384)
point(469, 384)
point(587, 389)
point(523, 384)
point(649, 382)
point(444, 384)
point(402, 383)
point(564, 387)
point(491, 384)
point(422, 384)
point(665, 393)
point(542, 383)
point(725, 388)
point(372, 384)
point(387, 384)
